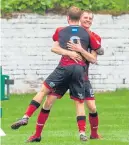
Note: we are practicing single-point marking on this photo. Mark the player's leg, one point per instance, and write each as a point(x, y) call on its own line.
point(77, 92)
point(93, 115)
point(81, 119)
point(60, 86)
point(33, 106)
point(45, 111)
point(53, 80)
point(42, 118)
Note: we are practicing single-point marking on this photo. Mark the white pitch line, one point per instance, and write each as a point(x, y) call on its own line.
point(2, 132)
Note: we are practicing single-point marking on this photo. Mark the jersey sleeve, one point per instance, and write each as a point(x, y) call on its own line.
point(95, 41)
point(56, 34)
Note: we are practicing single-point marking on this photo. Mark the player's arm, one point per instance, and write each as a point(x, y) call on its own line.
point(91, 57)
point(95, 43)
point(94, 54)
point(58, 50)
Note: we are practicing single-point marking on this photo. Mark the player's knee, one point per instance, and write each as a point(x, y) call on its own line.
point(80, 113)
point(47, 104)
point(92, 109)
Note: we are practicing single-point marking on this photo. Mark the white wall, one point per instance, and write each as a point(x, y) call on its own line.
point(26, 57)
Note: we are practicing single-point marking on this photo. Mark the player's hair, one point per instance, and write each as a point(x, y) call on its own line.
point(88, 11)
point(74, 13)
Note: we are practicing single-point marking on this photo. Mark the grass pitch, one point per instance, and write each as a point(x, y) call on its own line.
point(61, 127)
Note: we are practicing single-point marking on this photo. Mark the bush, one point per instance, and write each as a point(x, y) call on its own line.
point(42, 6)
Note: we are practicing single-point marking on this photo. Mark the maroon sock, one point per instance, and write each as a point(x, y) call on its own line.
point(81, 121)
point(43, 115)
point(93, 119)
point(32, 108)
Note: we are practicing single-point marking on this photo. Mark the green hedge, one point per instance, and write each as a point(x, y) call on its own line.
point(42, 6)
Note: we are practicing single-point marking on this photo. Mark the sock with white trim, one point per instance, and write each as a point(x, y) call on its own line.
point(43, 116)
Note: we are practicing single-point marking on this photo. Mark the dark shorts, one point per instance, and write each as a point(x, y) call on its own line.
point(61, 90)
point(72, 75)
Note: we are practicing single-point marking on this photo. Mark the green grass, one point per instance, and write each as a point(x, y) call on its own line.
point(61, 128)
